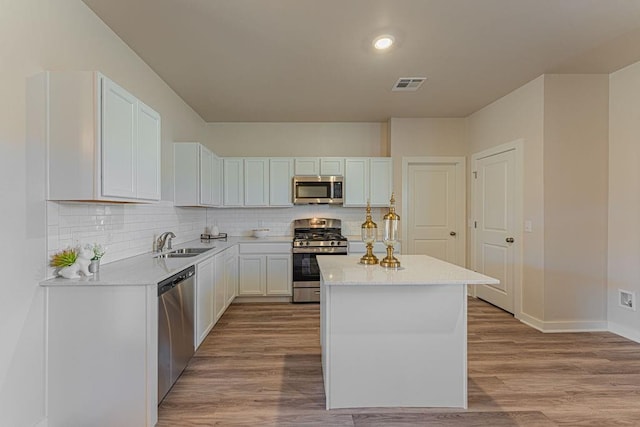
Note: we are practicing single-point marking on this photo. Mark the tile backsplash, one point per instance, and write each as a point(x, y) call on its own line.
point(130, 229)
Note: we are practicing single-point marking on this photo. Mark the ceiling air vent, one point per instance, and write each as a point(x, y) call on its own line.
point(408, 84)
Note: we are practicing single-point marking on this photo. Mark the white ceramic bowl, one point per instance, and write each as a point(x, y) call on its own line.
point(260, 232)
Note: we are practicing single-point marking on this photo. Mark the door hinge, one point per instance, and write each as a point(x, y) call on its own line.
point(475, 174)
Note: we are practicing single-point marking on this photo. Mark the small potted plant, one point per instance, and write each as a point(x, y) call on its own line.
point(64, 258)
point(98, 251)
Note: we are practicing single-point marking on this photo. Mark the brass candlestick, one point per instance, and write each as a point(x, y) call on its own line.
point(369, 230)
point(390, 237)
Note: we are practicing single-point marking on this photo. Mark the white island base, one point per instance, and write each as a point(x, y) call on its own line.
point(394, 338)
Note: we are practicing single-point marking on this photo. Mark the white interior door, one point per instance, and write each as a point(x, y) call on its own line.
point(434, 206)
point(495, 226)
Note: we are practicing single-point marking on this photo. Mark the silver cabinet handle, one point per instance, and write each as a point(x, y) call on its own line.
point(453, 233)
point(510, 240)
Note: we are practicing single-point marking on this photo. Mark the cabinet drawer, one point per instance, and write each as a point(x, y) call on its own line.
point(265, 248)
point(306, 294)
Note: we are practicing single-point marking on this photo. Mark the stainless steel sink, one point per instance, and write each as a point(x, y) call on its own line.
point(184, 253)
point(175, 255)
point(190, 251)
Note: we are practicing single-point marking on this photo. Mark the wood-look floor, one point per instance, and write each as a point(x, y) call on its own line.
point(260, 366)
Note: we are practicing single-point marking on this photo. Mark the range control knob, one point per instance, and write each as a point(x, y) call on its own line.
point(333, 243)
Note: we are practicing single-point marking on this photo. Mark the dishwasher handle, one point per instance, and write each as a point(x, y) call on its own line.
point(171, 282)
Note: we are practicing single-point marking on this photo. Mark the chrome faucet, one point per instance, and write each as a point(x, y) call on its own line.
point(163, 238)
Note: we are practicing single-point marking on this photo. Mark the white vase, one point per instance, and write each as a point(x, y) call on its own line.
point(94, 267)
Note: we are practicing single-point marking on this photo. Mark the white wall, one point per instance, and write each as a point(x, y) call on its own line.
point(424, 137)
point(624, 198)
point(576, 125)
point(37, 35)
point(298, 139)
point(519, 115)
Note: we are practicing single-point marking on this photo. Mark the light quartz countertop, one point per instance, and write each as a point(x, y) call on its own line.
point(415, 270)
point(146, 269)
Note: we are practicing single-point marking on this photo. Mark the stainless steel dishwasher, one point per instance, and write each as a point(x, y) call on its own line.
point(176, 303)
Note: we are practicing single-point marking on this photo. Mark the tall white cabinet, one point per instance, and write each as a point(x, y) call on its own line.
point(104, 143)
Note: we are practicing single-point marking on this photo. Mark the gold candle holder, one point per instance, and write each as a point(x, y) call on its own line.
point(390, 236)
point(368, 231)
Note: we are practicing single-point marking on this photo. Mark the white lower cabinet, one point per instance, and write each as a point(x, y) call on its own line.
point(102, 353)
point(219, 300)
point(278, 275)
point(205, 296)
point(252, 275)
point(216, 288)
point(265, 269)
point(231, 275)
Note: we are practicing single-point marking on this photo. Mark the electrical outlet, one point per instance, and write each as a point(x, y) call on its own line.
point(627, 299)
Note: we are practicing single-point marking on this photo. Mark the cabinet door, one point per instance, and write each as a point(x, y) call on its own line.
point(205, 316)
point(356, 182)
point(148, 169)
point(332, 166)
point(233, 182)
point(280, 182)
point(219, 299)
point(231, 276)
point(251, 275)
point(380, 180)
point(118, 141)
point(279, 275)
point(256, 182)
point(216, 180)
point(307, 166)
point(206, 176)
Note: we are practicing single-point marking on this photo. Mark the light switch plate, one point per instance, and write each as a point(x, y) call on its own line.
point(528, 226)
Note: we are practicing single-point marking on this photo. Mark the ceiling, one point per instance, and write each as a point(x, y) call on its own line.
point(312, 60)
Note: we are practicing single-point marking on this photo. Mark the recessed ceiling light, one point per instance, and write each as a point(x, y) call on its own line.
point(383, 42)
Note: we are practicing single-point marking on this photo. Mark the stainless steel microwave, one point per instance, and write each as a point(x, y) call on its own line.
point(315, 190)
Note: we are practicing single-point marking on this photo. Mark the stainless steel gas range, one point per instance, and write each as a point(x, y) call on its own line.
point(312, 237)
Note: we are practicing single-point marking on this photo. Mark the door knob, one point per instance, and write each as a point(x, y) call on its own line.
point(453, 233)
point(510, 240)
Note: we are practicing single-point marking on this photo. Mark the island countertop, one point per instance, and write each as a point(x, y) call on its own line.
point(415, 270)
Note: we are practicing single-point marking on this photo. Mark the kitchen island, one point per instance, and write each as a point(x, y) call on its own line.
point(394, 338)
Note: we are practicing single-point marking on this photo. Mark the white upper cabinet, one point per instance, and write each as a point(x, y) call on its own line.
point(104, 144)
point(280, 182)
point(119, 148)
point(206, 176)
point(307, 166)
point(256, 181)
point(380, 180)
point(233, 181)
point(356, 182)
point(332, 166)
point(149, 144)
point(197, 175)
point(368, 178)
point(216, 174)
point(327, 166)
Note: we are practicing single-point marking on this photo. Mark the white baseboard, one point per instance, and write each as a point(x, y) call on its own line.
point(563, 326)
point(270, 299)
point(534, 322)
point(624, 332)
